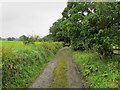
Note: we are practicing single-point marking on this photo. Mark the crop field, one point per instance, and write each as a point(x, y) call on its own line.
point(22, 63)
point(10, 44)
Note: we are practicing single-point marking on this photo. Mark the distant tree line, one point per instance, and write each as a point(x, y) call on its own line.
point(29, 38)
point(9, 39)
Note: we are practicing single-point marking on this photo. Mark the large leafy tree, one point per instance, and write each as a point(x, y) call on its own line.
point(90, 25)
point(73, 16)
point(106, 30)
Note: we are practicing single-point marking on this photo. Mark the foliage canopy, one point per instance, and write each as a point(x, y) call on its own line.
point(89, 25)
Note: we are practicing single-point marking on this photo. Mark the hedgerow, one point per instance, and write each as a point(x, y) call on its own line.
point(22, 65)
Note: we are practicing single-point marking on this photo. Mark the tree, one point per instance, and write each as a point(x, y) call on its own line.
point(73, 16)
point(57, 33)
point(89, 25)
point(10, 38)
point(29, 39)
point(23, 38)
point(47, 38)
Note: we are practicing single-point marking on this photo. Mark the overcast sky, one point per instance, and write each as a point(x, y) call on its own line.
point(20, 18)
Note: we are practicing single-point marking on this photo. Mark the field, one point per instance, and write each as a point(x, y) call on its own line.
point(13, 44)
point(22, 63)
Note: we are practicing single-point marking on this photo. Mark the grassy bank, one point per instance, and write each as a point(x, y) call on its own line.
point(99, 73)
point(22, 64)
point(59, 79)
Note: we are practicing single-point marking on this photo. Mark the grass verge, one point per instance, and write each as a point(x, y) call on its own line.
point(21, 65)
point(99, 73)
point(59, 79)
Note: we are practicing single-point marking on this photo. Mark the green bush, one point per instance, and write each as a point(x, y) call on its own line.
point(22, 65)
point(99, 73)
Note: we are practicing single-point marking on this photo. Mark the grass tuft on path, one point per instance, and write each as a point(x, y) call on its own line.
point(59, 79)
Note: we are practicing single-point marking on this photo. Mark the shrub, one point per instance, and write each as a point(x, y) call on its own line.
point(98, 73)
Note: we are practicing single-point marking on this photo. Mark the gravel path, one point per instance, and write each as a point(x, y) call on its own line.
point(42, 81)
point(73, 75)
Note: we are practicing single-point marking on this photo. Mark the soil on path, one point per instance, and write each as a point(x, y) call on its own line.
point(74, 77)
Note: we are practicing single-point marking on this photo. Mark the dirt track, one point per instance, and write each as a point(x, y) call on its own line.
point(75, 80)
point(74, 77)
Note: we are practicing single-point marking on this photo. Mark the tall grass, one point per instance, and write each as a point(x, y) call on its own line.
point(22, 64)
point(99, 73)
